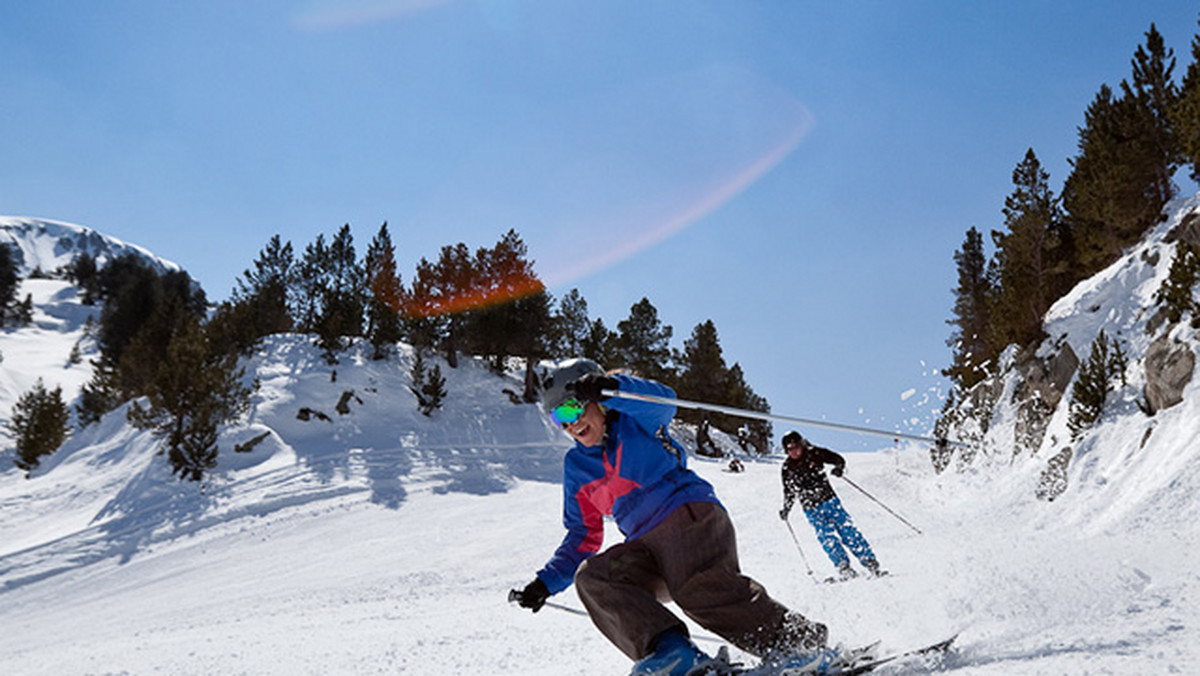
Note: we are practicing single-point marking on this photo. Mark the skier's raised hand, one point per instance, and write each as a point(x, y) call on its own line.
point(590, 386)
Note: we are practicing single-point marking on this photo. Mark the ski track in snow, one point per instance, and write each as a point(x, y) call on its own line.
point(338, 584)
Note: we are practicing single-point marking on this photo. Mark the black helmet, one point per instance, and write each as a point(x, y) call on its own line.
point(554, 386)
point(793, 438)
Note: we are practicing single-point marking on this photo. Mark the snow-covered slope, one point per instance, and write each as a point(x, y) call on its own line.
point(380, 541)
point(1129, 466)
point(44, 348)
point(45, 245)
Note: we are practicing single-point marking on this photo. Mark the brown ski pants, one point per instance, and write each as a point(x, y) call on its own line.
point(690, 558)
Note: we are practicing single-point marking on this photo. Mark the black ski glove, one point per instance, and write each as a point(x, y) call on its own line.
point(589, 386)
point(837, 470)
point(533, 596)
point(783, 513)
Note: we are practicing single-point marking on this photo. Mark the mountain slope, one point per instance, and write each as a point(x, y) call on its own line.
point(370, 539)
point(40, 244)
point(1128, 461)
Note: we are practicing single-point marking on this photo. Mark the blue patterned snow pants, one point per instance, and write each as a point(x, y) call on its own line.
point(834, 528)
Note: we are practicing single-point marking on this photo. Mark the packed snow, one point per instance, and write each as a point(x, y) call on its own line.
point(382, 541)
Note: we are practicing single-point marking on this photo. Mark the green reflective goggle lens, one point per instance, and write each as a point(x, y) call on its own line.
point(568, 412)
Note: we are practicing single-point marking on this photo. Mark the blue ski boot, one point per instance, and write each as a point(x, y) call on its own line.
point(674, 655)
point(812, 662)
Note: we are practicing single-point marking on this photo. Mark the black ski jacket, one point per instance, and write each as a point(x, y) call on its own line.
point(804, 477)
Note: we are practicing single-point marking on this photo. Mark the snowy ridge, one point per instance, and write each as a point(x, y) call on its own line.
point(381, 541)
point(48, 245)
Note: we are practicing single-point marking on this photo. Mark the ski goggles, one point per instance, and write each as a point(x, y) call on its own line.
point(568, 412)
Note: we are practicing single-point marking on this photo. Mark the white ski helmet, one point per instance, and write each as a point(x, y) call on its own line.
point(554, 386)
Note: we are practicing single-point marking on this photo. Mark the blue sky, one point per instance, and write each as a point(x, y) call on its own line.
point(799, 172)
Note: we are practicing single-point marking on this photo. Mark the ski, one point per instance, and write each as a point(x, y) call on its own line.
point(853, 669)
point(854, 662)
point(721, 665)
point(837, 579)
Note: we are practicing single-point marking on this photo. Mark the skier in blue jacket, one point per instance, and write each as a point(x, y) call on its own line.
point(680, 544)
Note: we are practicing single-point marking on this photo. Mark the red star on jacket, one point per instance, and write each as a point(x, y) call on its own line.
point(596, 498)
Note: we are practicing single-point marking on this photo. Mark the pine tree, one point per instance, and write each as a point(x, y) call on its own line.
point(131, 290)
point(39, 424)
point(192, 393)
point(428, 385)
point(645, 343)
point(1185, 114)
point(311, 280)
point(1120, 179)
point(1025, 257)
point(1175, 294)
point(1095, 380)
point(531, 341)
point(704, 376)
point(972, 314)
point(421, 322)
point(571, 325)
point(602, 345)
point(343, 298)
point(9, 281)
point(384, 293)
point(141, 312)
point(101, 394)
point(23, 312)
point(433, 391)
point(508, 313)
point(451, 297)
point(261, 295)
point(755, 433)
point(417, 375)
point(83, 273)
point(1153, 84)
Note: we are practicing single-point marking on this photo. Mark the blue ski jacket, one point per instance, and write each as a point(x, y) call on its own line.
point(638, 474)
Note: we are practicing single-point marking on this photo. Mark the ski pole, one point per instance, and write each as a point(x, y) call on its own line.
point(759, 415)
point(514, 596)
point(889, 509)
point(802, 556)
point(565, 609)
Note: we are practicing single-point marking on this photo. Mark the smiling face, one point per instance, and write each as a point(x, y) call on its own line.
point(589, 429)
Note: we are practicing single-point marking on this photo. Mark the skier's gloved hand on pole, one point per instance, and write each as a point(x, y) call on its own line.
point(783, 513)
point(533, 596)
point(590, 386)
point(837, 470)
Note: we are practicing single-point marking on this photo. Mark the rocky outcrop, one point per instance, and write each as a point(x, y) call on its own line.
point(1053, 481)
point(1046, 378)
point(1169, 366)
point(1042, 385)
point(1188, 230)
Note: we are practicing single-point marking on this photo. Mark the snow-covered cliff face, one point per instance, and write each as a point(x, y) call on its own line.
point(1150, 423)
point(49, 245)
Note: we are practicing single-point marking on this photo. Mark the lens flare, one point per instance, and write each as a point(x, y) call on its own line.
point(641, 233)
point(484, 296)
